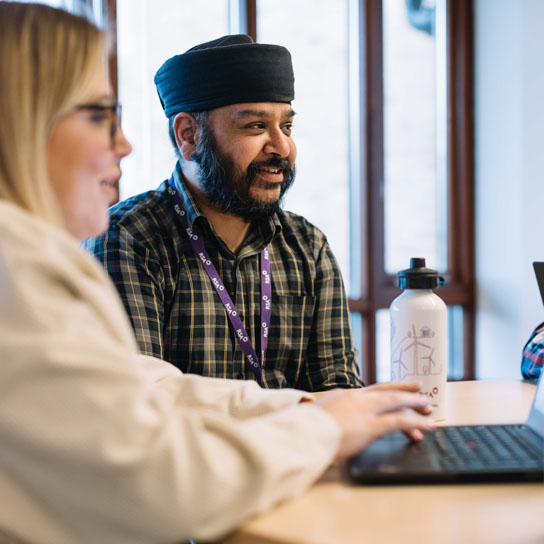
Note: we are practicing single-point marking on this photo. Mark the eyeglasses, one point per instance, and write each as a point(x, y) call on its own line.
point(104, 113)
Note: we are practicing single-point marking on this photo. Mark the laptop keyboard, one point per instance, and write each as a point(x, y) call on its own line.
point(476, 448)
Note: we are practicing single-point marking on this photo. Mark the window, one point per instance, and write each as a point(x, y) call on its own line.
point(383, 130)
point(93, 8)
point(319, 49)
point(148, 33)
point(417, 179)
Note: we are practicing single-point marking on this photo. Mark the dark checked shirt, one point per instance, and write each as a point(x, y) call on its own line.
point(178, 316)
point(532, 358)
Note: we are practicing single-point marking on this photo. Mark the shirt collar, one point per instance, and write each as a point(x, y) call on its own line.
point(193, 211)
point(260, 236)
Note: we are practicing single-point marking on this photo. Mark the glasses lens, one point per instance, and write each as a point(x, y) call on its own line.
point(111, 113)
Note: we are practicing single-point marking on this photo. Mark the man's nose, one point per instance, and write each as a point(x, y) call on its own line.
point(278, 144)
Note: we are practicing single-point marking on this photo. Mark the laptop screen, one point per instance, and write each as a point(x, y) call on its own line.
point(539, 273)
point(536, 417)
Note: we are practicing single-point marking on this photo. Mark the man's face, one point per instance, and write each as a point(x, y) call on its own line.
point(246, 158)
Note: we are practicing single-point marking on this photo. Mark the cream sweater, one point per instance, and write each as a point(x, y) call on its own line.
point(99, 444)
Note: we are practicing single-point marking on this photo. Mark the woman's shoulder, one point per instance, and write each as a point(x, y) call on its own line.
point(47, 272)
point(24, 234)
point(31, 244)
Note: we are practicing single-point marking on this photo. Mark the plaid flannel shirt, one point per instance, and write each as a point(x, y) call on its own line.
point(178, 316)
point(532, 358)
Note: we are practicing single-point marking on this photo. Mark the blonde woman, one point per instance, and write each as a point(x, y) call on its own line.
point(97, 443)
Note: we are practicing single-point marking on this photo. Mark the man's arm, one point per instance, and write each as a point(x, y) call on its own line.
point(331, 355)
point(532, 358)
point(139, 279)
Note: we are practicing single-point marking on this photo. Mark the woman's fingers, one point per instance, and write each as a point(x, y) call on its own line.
point(408, 422)
point(364, 416)
point(413, 387)
point(415, 434)
point(392, 401)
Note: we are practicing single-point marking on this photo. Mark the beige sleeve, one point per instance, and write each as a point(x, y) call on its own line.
point(113, 450)
point(240, 399)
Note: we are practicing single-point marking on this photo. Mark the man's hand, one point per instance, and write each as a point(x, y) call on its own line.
point(367, 414)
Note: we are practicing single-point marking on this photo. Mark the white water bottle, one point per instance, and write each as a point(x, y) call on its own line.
point(419, 334)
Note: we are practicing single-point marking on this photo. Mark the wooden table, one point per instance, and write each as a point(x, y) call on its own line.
point(336, 512)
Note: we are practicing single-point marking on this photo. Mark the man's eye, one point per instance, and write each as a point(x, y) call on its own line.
point(258, 126)
point(287, 129)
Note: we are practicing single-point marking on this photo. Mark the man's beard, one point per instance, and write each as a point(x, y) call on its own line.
point(228, 188)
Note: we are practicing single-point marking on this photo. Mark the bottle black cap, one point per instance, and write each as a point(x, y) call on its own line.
point(418, 276)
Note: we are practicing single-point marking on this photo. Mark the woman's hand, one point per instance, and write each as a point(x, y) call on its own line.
point(367, 414)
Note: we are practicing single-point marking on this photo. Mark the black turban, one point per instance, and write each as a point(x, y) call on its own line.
point(229, 70)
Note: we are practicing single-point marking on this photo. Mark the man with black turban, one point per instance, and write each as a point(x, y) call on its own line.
point(215, 276)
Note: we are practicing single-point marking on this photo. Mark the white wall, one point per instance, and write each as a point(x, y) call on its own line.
point(509, 172)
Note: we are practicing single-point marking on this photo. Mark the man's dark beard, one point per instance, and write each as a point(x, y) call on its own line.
point(227, 188)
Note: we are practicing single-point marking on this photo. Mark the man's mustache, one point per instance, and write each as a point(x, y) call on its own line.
point(275, 162)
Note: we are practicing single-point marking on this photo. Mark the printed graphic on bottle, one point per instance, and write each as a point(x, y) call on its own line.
point(418, 353)
point(414, 355)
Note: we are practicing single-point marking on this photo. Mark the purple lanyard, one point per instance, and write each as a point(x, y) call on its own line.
point(230, 308)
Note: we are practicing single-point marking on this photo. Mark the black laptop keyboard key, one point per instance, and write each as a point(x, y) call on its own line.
point(467, 448)
point(522, 441)
point(496, 440)
point(530, 441)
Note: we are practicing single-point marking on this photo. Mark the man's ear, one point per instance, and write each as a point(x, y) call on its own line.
point(185, 128)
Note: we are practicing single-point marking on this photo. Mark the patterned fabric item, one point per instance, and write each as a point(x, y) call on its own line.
point(532, 358)
point(178, 316)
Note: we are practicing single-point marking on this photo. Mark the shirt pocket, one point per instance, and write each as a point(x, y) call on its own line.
point(290, 329)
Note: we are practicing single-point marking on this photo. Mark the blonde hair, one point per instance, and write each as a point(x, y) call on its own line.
point(47, 56)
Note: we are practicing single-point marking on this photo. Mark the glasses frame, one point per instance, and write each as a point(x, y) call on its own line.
point(115, 110)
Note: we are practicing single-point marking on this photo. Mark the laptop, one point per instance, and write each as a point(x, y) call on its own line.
point(461, 453)
point(454, 454)
point(539, 273)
